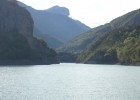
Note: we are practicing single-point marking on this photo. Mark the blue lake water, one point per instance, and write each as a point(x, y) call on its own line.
point(70, 82)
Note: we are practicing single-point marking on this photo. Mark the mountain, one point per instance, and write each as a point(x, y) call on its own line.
point(51, 41)
point(118, 46)
point(18, 46)
point(83, 41)
point(59, 10)
point(56, 23)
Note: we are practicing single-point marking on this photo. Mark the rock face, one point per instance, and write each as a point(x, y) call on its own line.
point(18, 46)
point(15, 18)
point(59, 10)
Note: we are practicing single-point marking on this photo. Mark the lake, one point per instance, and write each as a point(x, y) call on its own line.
point(70, 82)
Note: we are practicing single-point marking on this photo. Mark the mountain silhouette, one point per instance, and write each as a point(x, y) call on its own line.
point(55, 22)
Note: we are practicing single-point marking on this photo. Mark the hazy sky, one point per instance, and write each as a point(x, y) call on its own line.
point(90, 12)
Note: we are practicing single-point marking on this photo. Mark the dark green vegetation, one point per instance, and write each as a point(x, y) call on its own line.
point(55, 24)
point(17, 44)
point(67, 57)
point(51, 41)
point(118, 46)
point(82, 42)
point(112, 43)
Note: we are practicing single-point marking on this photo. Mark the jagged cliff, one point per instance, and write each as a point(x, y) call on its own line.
point(17, 44)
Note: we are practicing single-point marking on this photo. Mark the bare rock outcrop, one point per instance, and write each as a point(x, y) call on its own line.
point(17, 44)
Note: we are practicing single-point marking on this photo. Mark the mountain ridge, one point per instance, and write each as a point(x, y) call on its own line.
point(59, 10)
point(58, 26)
point(81, 42)
point(118, 46)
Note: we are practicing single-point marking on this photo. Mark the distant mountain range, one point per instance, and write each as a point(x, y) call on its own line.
point(54, 25)
point(117, 42)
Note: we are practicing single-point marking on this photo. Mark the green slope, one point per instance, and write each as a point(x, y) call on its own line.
point(118, 46)
point(51, 41)
point(82, 42)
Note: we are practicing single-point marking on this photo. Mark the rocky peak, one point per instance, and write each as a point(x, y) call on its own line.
point(59, 10)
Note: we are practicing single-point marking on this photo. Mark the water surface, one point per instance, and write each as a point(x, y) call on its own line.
point(70, 82)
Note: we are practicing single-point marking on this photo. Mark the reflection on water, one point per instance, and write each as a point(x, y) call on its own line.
point(70, 82)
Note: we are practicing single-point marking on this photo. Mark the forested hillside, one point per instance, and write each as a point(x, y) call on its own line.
point(118, 46)
point(82, 42)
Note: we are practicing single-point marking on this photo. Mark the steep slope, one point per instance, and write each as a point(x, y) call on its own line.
point(51, 41)
point(18, 46)
point(82, 41)
point(118, 46)
point(56, 23)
